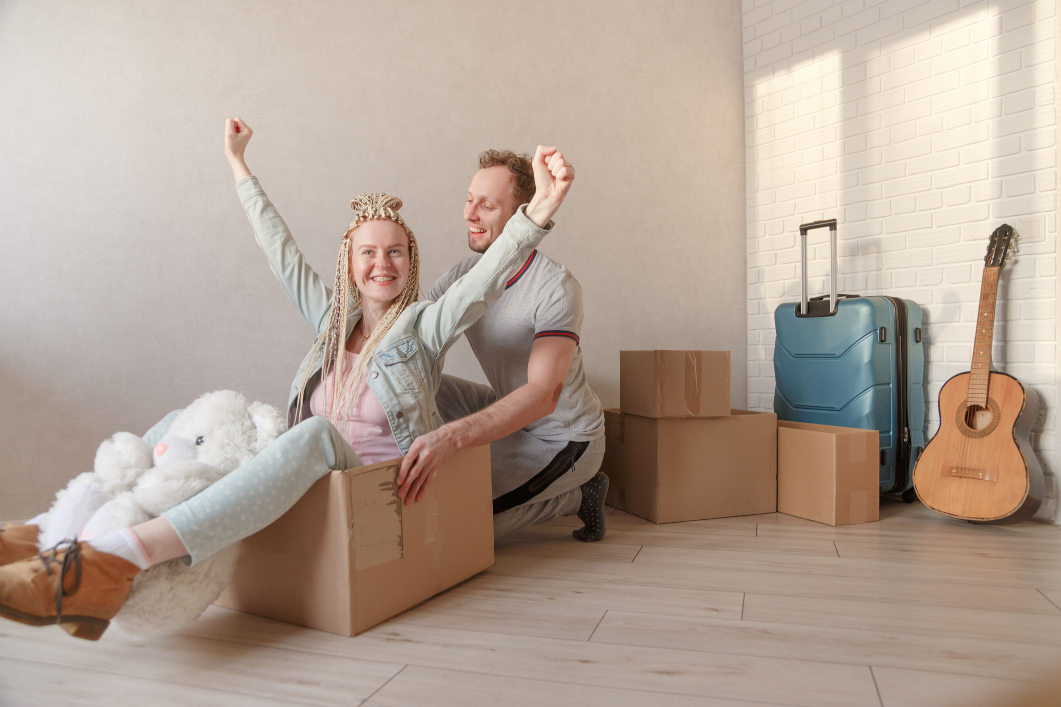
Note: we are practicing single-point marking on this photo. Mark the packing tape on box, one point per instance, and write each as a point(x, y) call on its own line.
point(377, 517)
point(694, 365)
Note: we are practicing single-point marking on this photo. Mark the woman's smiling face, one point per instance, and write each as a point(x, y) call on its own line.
point(379, 260)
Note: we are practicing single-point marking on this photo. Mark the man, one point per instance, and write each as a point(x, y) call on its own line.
point(544, 424)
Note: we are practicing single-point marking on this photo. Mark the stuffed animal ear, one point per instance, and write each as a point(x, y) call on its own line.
point(121, 460)
point(268, 421)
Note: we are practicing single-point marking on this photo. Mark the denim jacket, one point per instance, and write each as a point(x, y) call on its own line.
point(406, 368)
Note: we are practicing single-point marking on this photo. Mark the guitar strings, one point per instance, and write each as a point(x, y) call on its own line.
point(980, 373)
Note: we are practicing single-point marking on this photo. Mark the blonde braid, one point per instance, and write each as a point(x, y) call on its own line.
point(329, 350)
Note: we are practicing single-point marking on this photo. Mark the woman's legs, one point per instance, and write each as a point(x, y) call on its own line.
point(238, 505)
point(241, 503)
point(160, 540)
point(251, 497)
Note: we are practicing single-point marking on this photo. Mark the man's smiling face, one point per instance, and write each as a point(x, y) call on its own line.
point(489, 206)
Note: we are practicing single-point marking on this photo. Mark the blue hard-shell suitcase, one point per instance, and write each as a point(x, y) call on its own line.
point(854, 361)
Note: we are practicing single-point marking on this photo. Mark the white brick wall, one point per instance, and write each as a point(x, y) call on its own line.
point(921, 126)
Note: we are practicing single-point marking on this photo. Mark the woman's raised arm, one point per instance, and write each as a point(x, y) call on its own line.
point(237, 135)
point(304, 287)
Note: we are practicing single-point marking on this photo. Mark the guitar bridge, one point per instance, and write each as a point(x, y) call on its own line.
point(964, 472)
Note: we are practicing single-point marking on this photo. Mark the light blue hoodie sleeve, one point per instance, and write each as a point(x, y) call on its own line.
point(304, 287)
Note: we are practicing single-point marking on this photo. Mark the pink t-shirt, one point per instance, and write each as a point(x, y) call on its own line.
point(365, 426)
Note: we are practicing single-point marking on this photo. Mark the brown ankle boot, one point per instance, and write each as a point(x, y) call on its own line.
point(72, 584)
point(17, 542)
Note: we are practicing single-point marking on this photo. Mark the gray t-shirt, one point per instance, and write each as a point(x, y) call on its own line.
point(541, 299)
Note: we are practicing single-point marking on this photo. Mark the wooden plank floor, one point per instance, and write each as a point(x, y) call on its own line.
point(915, 609)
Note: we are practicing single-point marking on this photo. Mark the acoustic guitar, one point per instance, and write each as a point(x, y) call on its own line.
point(980, 466)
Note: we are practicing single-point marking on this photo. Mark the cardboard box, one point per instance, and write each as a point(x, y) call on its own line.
point(674, 383)
point(828, 474)
point(349, 555)
point(686, 468)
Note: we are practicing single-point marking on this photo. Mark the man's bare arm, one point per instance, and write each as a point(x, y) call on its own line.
point(550, 360)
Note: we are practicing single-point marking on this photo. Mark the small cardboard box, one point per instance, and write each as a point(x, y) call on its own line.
point(688, 468)
point(349, 555)
point(828, 474)
point(674, 383)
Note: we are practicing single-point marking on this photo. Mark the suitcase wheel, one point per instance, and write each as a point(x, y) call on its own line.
point(909, 495)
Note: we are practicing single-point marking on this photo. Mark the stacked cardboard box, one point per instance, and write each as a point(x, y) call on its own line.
point(675, 451)
point(674, 383)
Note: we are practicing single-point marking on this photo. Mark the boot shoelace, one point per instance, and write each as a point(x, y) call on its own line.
point(71, 558)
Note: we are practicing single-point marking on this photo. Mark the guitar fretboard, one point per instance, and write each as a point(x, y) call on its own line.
point(985, 331)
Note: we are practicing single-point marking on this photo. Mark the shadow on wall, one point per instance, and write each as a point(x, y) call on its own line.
point(28, 454)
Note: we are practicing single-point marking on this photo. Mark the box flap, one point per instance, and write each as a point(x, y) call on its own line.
point(825, 429)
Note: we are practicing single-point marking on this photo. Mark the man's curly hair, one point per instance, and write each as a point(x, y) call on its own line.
point(518, 165)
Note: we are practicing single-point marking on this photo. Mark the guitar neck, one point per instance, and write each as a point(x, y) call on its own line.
point(985, 332)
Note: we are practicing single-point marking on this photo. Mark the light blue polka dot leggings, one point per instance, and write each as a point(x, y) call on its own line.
point(260, 491)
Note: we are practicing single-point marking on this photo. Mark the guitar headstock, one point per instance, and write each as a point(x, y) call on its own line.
point(1002, 246)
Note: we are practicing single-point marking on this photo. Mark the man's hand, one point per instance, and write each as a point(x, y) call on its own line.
point(553, 176)
point(550, 360)
point(427, 453)
point(237, 135)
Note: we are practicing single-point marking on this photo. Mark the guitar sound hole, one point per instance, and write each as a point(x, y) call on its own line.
point(976, 421)
point(977, 417)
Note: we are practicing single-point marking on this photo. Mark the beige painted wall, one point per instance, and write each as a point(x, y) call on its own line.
point(130, 281)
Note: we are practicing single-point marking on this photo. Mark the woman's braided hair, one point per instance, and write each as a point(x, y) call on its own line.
point(329, 350)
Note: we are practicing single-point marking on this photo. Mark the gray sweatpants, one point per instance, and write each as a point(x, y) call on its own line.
point(518, 457)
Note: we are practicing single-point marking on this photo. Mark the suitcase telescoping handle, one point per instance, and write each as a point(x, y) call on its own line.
point(831, 223)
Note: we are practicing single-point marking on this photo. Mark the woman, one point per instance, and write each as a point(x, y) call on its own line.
point(379, 353)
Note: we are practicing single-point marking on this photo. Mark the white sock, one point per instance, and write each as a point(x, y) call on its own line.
point(74, 507)
point(103, 521)
point(125, 544)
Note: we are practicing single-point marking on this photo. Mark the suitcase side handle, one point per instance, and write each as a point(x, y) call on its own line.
point(803, 305)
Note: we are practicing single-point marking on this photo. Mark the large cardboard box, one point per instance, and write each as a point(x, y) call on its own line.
point(828, 474)
point(674, 383)
point(349, 555)
point(686, 468)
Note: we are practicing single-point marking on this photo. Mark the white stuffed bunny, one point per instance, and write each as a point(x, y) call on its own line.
point(132, 483)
